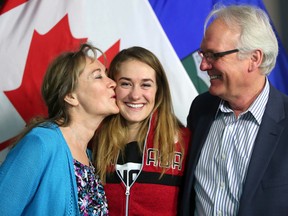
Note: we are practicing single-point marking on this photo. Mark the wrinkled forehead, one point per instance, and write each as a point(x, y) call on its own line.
point(218, 33)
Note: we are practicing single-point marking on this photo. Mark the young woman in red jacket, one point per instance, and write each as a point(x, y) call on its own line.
point(141, 151)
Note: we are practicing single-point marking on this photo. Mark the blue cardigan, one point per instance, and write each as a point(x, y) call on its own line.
point(37, 177)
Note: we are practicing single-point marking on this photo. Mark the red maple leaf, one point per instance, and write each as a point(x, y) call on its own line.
point(8, 5)
point(43, 48)
point(110, 53)
point(27, 98)
point(4, 145)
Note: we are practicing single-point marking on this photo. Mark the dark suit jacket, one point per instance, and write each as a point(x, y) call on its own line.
point(265, 190)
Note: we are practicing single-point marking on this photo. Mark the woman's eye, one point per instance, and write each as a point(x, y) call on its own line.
point(98, 76)
point(125, 84)
point(146, 85)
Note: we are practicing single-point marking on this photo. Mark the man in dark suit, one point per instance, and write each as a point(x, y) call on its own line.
point(238, 158)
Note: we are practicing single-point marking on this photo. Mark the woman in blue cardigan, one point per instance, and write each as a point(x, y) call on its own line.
point(48, 171)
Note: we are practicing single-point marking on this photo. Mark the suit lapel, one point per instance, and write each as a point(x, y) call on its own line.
point(264, 147)
point(201, 132)
point(204, 121)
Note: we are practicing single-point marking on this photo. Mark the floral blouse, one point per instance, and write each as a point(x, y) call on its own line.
point(91, 196)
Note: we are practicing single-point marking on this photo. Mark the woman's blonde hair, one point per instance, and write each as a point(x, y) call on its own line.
point(112, 136)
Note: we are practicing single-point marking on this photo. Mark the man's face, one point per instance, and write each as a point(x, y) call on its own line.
point(228, 74)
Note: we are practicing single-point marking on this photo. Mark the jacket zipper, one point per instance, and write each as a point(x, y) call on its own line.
point(127, 193)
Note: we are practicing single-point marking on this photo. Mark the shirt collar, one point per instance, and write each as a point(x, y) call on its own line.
point(257, 108)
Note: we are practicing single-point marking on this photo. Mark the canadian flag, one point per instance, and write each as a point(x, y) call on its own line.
point(34, 32)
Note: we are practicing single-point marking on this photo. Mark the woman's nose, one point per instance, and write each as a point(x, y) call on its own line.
point(111, 83)
point(135, 93)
